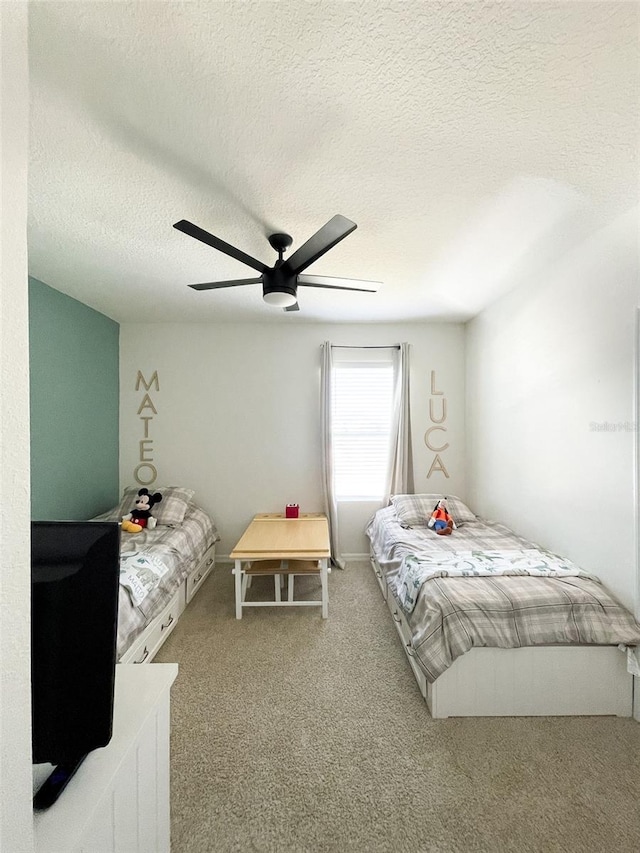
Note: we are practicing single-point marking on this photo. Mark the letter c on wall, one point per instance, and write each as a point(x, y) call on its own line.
point(428, 443)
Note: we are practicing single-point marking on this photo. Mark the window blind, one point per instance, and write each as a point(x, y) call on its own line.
point(362, 413)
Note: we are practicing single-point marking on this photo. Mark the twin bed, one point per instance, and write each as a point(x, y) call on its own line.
point(492, 625)
point(160, 570)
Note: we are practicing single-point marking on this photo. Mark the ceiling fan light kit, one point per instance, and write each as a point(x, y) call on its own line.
point(279, 298)
point(281, 281)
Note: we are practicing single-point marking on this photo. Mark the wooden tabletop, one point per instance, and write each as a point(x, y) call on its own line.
point(284, 538)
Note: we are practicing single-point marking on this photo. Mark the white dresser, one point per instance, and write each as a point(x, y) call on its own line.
point(118, 801)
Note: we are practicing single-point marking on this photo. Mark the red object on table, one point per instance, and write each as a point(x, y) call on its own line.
point(292, 511)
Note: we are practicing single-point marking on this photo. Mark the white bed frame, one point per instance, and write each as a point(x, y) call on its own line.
point(531, 681)
point(145, 646)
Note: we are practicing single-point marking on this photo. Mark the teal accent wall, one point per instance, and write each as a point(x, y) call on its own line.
point(74, 392)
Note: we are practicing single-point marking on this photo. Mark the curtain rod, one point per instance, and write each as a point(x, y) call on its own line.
point(344, 346)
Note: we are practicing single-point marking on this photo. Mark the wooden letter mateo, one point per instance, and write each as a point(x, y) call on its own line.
point(146, 444)
point(437, 464)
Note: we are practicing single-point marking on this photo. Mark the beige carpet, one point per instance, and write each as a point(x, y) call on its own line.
point(291, 733)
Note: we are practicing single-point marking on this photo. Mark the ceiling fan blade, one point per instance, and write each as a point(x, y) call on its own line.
point(294, 307)
point(214, 285)
point(326, 238)
point(334, 282)
point(200, 234)
point(322, 281)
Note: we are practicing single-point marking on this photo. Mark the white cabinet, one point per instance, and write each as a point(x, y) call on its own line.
point(118, 801)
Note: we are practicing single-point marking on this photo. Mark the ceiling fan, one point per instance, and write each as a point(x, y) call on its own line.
point(281, 281)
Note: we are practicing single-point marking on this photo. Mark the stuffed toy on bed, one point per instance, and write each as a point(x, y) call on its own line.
point(441, 522)
point(140, 516)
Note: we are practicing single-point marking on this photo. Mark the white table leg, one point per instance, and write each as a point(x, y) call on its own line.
point(245, 585)
point(325, 588)
point(277, 586)
point(238, 573)
point(290, 595)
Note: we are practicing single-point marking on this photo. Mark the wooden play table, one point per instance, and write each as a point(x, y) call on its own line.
point(275, 545)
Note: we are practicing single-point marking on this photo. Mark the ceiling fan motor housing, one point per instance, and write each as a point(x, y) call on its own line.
point(279, 281)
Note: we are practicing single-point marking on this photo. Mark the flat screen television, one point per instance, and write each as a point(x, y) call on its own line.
point(75, 569)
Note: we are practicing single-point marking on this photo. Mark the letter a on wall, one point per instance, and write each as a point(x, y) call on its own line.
point(437, 465)
point(147, 403)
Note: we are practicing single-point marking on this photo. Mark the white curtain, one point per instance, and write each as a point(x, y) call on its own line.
point(400, 479)
point(330, 503)
point(400, 471)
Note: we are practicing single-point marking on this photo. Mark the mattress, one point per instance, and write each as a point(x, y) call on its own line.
point(454, 614)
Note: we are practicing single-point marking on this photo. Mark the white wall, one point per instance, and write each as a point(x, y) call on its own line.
point(546, 365)
point(238, 413)
point(16, 822)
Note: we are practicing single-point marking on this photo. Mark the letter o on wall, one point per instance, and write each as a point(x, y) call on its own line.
point(152, 471)
point(427, 440)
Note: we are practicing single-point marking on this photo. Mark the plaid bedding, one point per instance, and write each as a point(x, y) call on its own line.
point(180, 547)
point(454, 614)
point(417, 569)
point(390, 541)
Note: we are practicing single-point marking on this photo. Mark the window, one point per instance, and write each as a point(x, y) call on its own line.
point(362, 416)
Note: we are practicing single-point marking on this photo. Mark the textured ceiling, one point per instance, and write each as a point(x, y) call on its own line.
point(470, 142)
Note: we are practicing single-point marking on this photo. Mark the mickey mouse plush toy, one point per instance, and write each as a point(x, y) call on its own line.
point(140, 516)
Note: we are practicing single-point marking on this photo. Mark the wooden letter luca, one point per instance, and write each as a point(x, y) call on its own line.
point(145, 472)
point(437, 415)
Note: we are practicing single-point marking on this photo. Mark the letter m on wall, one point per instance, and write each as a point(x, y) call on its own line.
point(140, 380)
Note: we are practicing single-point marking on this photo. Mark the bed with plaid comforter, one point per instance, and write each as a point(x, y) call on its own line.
point(452, 614)
point(179, 549)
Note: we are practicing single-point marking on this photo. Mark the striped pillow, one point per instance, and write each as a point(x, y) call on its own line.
point(415, 510)
point(170, 511)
